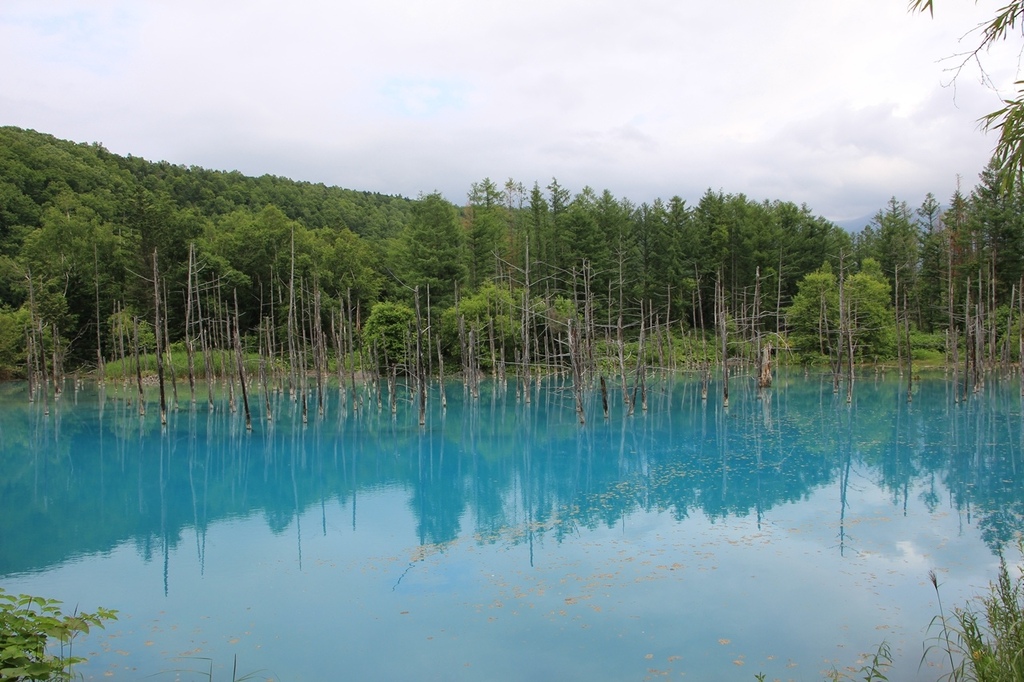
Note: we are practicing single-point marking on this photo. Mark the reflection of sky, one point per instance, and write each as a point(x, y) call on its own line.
point(632, 589)
point(699, 596)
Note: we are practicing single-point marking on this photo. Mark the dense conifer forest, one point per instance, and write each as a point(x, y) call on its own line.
point(104, 258)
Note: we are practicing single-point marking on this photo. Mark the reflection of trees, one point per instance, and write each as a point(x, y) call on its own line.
point(437, 499)
point(985, 467)
point(704, 458)
point(85, 479)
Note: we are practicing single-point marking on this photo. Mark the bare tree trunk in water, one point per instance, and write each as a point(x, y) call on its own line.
point(241, 368)
point(157, 330)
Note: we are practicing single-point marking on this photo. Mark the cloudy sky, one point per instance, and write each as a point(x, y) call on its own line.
point(837, 104)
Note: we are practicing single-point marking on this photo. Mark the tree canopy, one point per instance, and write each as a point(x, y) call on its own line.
point(83, 233)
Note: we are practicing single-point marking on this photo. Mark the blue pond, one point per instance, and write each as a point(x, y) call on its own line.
point(789, 534)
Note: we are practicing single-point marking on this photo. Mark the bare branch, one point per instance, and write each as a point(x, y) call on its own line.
point(1008, 121)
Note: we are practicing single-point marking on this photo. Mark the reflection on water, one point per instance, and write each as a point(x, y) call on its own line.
point(791, 492)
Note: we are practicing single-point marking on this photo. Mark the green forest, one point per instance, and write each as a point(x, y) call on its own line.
point(103, 257)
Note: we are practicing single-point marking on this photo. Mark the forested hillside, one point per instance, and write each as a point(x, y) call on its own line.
point(98, 252)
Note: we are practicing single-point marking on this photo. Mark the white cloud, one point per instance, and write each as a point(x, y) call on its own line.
point(834, 104)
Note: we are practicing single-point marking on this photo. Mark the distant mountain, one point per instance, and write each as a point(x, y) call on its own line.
point(854, 224)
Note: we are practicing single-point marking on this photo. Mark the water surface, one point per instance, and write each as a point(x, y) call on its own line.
point(787, 534)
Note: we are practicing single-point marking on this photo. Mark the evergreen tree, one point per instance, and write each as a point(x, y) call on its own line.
point(539, 229)
point(434, 250)
point(896, 248)
point(932, 291)
point(485, 228)
point(997, 221)
point(559, 237)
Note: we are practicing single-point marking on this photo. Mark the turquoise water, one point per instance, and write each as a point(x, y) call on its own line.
point(787, 534)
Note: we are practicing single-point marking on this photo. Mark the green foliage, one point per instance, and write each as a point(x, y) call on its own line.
point(895, 246)
point(432, 249)
point(995, 224)
point(388, 331)
point(177, 361)
point(489, 307)
point(30, 627)
point(814, 316)
point(84, 223)
point(984, 640)
point(13, 325)
point(253, 254)
point(485, 218)
point(928, 348)
point(121, 328)
point(654, 245)
point(871, 315)
point(348, 267)
point(871, 671)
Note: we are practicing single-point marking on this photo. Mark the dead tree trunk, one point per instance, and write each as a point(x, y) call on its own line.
point(318, 350)
point(157, 329)
point(190, 348)
point(170, 356)
point(240, 357)
point(604, 396)
point(265, 354)
point(640, 361)
point(705, 361)
point(351, 350)
point(421, 379)
point(845, 343)
point(724, 333)
point(440, 374)
point(910, 350)
point(100, 368)
point(206, 347)
point(138, 369)
point(969, 346)
point(576, 360)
